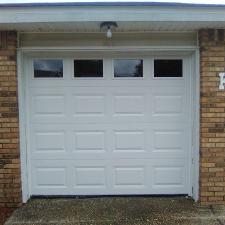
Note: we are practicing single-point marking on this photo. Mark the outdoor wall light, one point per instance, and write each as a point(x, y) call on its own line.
point(108, 27)
point(109, 33)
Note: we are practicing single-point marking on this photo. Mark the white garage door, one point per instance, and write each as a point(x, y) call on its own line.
point(109, 126)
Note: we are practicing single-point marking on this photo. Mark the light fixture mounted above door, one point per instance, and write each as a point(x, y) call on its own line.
point(108, 26)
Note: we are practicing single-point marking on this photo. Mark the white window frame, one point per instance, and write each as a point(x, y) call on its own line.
point(128, 78)
point(89, 78)
point(47, 78)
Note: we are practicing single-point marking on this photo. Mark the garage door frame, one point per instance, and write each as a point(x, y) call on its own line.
point(192, 52)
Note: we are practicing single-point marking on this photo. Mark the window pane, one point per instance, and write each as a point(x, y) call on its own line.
point(47, 68)
point(88, 68)
point(168, 68)
point(128, 68)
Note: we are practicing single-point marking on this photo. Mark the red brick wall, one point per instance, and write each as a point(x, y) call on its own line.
point(10, 183)
point(212, 152)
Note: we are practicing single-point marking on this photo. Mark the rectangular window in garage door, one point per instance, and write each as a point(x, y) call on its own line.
point(168, 68)
point(128, 68)
point(48, 68)
point(88, 68)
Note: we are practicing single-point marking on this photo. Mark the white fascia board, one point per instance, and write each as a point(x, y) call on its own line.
point(107, 13)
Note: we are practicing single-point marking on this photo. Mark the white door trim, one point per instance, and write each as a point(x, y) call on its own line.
point(22, 126)
point(22, 88)
point(196, 124)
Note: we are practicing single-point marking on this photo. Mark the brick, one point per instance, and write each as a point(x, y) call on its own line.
point(212, 118)
point(218, 189)
point(10, 183)
point(219, 184)
point(207, 164)
point(208, 184)
point(220, 193)
point(208, 194)
point(215, 199)
point(216, 169)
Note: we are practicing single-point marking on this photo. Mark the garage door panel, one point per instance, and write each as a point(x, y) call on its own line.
point(48, 104)
point(128, 140)
point(111, 177)
point(129, 105)
point(89, 105)
point(93, 105)
point(123, 176)
point(170, 140)
point(109, 141)
point(90, 177)
point(168, 104)
point(109, 104)
point(91, 141)
point(50, 177)
point(129, 177)
point(49, 141)
point(169, 176)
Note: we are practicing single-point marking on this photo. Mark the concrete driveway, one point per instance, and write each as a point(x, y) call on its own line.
point(117, 211)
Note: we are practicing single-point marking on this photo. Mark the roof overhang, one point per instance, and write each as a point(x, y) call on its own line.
point(131, 17)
